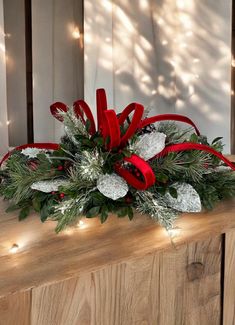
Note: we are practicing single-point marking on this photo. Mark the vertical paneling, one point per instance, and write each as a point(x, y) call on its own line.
point(177, 287)
point(160, 54)
point(3, 109)
point(142, 72)
point(15, 309)
point(16, 71)
point(229, 279)
point(98, 62)
point(57, 61)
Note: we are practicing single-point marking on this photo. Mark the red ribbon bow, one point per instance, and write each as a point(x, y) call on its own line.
point(109, 125)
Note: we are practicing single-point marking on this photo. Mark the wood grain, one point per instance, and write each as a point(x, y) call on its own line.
point(42, 251)
point(15, 309)
point(229, 279)
point(153, 289)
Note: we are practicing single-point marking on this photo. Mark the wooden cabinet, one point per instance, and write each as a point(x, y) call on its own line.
point(119, 273)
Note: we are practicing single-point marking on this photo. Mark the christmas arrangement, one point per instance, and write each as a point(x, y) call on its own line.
point(127, 162)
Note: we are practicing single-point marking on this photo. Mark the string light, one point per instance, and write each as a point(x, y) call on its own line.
point(8, 122)
point(164, 42)
point(14, 249)
point(233, 63)
point(174, 232)
point(81, 224)
point(76, 33)
point(196, 60)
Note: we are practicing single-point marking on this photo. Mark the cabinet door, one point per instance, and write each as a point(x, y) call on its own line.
point(177, 287)
point(15, 309)
point(229, 279)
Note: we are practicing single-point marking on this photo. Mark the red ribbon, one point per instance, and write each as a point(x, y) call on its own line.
point(109, 126)
point(48, 146)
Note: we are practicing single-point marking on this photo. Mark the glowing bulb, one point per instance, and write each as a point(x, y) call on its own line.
point(196, 60)
point(189, 33)
point(154, 92)
point(180, 4)
point(233, 63)
point(160, 21)
point(232, 92)
point(183, 45)
point(165, 42)
point(108, 39)
point(174, 232)
point(76, 33)
point(8, 122)
point(81, 224)
point(14, 249)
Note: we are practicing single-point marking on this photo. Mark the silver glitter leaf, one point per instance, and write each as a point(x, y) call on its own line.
point(187, 200)
point(112, 186)
point(150, 144)
point(32, 152)
point(48, 186)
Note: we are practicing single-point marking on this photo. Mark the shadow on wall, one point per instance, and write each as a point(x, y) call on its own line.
point(170, 56)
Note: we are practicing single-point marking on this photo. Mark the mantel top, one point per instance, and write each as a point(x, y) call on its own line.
point(44, 257)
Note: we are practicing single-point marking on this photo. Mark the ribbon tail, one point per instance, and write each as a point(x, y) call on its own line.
point(169, 117)
point(143, 167)
point(48, 146)
point(194, 146)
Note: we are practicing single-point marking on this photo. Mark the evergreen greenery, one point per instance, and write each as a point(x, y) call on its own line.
point(82, 158)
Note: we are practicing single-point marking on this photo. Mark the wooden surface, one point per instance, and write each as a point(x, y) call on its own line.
point(229, 279)
point(119, 273)
point(45, 257)
point(16, 309)
point(161, 288)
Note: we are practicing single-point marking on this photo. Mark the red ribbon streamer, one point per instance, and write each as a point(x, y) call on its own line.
point(109, 127)
point(194, 146)
point(48, 146)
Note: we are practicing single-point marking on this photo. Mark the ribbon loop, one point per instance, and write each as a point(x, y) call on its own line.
point(169, 117)
point(111, 129)
point(135, 122)
point(80, 107)
point(101, 104)
point(56, 108)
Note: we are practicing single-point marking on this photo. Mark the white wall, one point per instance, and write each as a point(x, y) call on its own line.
point(57, 62)
point(3, 104)
point(173, 56)
point(14, 25)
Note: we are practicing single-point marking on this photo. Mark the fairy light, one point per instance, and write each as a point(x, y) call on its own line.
point(164, 42)
point(174, 232)
point(14, 249)
point(8, 122)
point(196, 60)
point(81, 224)
point(189, 33)
point(76, 33)
point(233, 63)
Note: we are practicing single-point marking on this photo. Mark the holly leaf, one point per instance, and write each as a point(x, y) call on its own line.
point(104, 214)
point(36, 204)
point(93, 212)
point(12, 208)
point(193, 138)
point(24, 213)
point(130, 213)
point(173, 192)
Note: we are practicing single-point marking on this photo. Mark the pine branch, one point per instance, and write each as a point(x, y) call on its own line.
point(147, 203)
